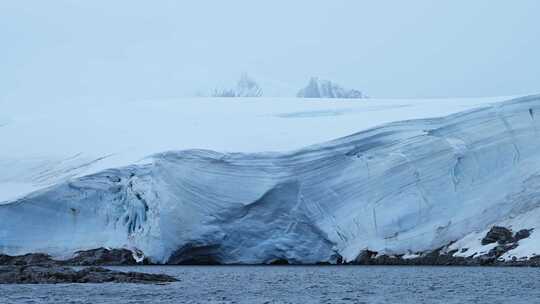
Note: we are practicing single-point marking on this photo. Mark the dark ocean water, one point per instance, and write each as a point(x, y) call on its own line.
point(300, 284)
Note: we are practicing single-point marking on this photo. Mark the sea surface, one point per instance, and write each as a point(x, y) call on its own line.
point(300, 284)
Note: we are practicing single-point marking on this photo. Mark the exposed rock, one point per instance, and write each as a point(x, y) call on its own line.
point(435, 257)
point(444, 257)
point(27, 259)
point(502, 249)
point(103, 256)
point(43, 274)
point(93, 257)
point(522, 234)
point(498, 234)
point(533, 262)
point(364, 257)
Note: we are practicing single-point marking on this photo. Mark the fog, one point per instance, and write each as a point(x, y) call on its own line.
point(129, 50)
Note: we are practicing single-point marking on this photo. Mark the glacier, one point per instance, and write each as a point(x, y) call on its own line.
point(399, 188)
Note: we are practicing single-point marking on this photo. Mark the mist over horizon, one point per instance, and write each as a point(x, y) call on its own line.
point(131, 50)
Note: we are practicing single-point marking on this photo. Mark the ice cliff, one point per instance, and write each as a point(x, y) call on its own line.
point(402, 187)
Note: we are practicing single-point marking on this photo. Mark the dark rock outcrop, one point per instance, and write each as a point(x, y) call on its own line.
point(498, 234)
point(436, 257)
point(103, 256)
point(47, 274)
point(27, 259)
point(504, 238)
point(93, 257)
point(522, 234)
point(365, 257)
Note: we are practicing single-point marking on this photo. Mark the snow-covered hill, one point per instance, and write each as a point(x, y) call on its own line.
point(51, 142)
point(404, 186)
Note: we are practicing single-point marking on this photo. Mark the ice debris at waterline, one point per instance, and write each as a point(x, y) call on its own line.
point(401, 188)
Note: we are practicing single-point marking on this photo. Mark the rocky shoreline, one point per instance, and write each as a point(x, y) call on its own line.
point(50, 274)
point(502, 237)
point(94, 257)
point(502, 240)
point(39, 268)
point(438, 258)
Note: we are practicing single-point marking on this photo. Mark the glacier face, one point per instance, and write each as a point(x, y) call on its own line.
point(403, 187)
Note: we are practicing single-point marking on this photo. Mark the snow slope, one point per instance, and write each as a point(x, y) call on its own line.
point(52, 142)
point(406, 186)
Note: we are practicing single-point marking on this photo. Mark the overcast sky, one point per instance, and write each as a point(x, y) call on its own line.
point(56, 50)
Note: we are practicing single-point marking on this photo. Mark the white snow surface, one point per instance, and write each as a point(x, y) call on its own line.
point(398, 186)
point(53, 141)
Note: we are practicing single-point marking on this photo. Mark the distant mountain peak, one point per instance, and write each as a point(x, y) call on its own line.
point(320, 88)
point(245, 87)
